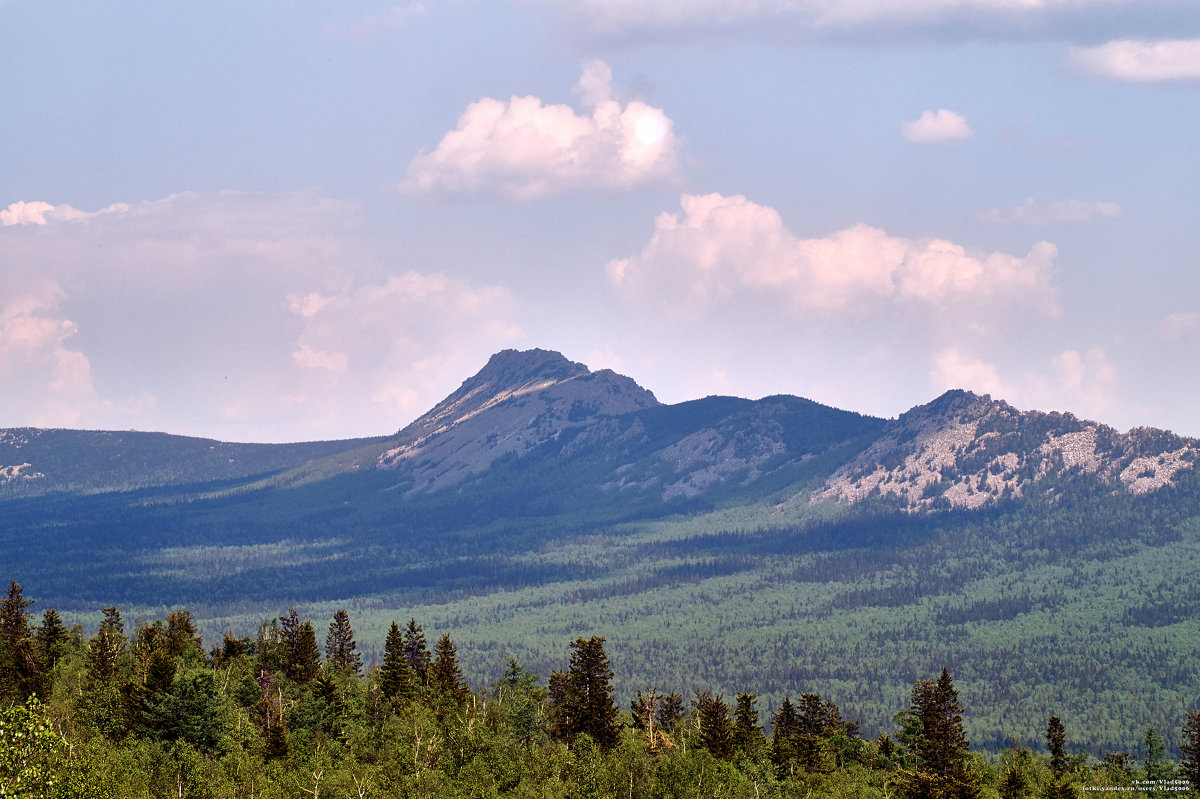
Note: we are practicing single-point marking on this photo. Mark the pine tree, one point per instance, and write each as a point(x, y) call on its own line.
point(397, 680)
point(340, 645)
point(416, 651)
point(445, 677)
point(1189, 763)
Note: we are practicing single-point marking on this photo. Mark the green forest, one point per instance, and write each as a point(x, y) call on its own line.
point(145, 711)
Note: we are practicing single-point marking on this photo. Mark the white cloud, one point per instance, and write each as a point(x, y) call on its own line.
point(523, 149)
point(936, 126)
point(954, 370)
point(237, 316)
point(1140, 60)
point(1060, 212)
point(720, 249)
point(1083, 383)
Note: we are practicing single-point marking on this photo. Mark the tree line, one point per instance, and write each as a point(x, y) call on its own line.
point(148, 712)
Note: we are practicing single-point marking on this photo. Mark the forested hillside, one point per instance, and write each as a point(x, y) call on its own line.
point(145, 711)
point(1050, 563)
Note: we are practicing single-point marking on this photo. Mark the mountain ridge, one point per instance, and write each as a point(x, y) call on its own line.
point(961, 449)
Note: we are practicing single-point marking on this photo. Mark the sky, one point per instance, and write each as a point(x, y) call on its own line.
point(296, 221)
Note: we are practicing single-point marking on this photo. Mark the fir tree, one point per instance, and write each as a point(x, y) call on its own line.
point(181, 639)
point(445, 676)
point(106, 649)
point(20, 666)
point(582, 697)
point(52, 639)
point(784, 729)
point(716, 731)
point(941, 743)
point(1056, 741)
point(416, 651)
point(815, 722)
point(671, 711)
point(748, 738)
point(397, 680)
point(1189, 763)
point(340, 647)
point(304, 660)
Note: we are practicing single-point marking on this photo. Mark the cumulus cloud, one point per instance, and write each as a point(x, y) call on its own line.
point(936, 126)
point(523, 149)
point(232, 315)
point(720, 248)
point(1081, 382)
point(1140, 60)
point(952, 369)
point(1031, 212)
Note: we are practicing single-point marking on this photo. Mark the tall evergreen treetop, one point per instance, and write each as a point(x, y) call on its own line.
point(582, 696)
point(340, 647)
point(416, 650)
point(445, 676)
point(397, 680)
point(20, 666)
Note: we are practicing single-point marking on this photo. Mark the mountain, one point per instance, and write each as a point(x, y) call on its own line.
point(777, 546)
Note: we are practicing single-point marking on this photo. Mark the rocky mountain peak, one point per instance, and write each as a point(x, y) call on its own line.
point(515, 402)
point(965, 450)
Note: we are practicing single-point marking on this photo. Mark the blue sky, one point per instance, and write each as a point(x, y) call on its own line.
point(293, 221)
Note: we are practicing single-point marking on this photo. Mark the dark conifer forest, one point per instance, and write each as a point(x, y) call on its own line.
point(143, 710)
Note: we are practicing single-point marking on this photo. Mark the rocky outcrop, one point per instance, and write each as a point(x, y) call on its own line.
point(964, 450)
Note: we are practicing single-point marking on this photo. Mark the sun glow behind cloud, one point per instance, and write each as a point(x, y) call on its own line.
point(523, 149)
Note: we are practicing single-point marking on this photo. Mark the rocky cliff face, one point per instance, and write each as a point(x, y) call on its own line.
point(964, 450)
point(516, 402)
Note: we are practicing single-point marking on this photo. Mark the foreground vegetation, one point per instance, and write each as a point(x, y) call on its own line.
point(147, 712)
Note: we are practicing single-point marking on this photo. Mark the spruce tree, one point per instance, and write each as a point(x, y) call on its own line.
point(20, 666)
point(581, 698)
point(106, 650)
point(445, 677)
point(304, 660)
point(671, 711)
point(340, 647)
point(748, 737)
point(52, 639)
point(397, 680)
point(716, 731)
point(1056, 742)
point(1189, 749)
point(941, 744)
point(814, 725)
point(181, 639)
point(416, 651)
point(784, 729)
